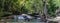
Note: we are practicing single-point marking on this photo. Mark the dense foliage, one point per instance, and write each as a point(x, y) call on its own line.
point(27, 6)
point(52, 7)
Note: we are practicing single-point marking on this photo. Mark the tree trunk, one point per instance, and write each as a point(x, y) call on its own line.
point(44, 16)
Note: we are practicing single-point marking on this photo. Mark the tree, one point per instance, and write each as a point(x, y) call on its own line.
point(52, 8)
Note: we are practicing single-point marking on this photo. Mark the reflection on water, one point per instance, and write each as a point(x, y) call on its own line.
point(33, 20)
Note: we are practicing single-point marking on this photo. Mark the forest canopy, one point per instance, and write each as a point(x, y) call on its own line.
point(28, 6)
